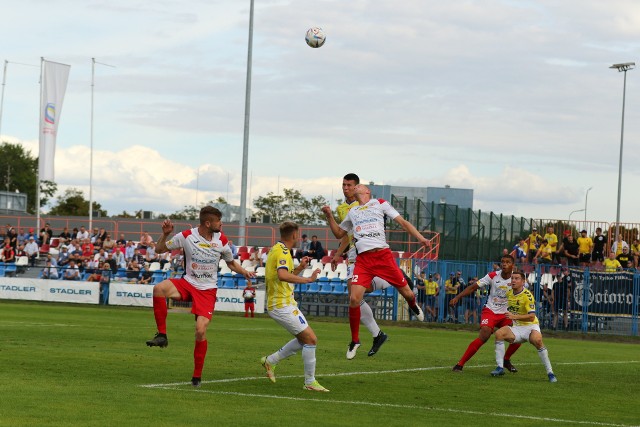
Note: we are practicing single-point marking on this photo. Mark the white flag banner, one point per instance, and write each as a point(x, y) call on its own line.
point(53, 87)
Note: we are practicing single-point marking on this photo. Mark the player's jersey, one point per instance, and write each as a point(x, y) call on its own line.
point(279, 294)
point(497, 301)
point(584, 245)
point(201, 256)
point(522, 303)
point(342, 212)
point(367, 224)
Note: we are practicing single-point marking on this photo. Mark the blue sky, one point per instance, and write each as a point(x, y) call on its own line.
point(511, 98)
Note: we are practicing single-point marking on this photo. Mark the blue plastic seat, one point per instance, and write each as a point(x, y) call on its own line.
point(326, 289)
point(313, 288)
point(227, 283)
point(339, 289)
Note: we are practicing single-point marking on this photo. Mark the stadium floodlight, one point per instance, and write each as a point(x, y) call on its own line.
point(623, 67)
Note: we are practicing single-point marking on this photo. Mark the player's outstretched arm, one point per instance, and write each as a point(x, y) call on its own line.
point(333, 225)
point(167, 229)
point(409, 228)
point(286, 276)
point(467, 291)
point(237, 268)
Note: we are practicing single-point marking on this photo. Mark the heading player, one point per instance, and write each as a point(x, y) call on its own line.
point(203, 246)
point(282, 307)
point(374, 258)
point(494, 313)
point(349, 182)
point(522, 311)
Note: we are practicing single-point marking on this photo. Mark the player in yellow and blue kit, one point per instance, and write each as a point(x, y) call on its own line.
point(522, 311)
point(282, 307)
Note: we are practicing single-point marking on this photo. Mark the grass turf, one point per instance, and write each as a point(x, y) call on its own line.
point(77, 365)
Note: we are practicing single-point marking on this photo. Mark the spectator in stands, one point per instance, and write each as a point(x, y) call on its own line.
point(254, 258)
point(96, 275)
point(635, 251)
point(129, 250)
point(315, 248)
point(625, 259)
point(535, 240)
point(585, 247)
point(118, 257)
point(138, 257)
point(304, 247)
point(23, 237)
point(562, 257)
point(49, 271)
point(451, 287)
point(108, 244)
point(13, 236)
point(46, 234)
point(521, 250)
point(101, 254)
point(599, 241)
point(561, 296)
point(145, 240)
point(420, 287)
point(8, 254)
point(470, 302)
point(72, 272)
point(82, 234)
point(151, 255)
point(263, 258)
point(618, 245)
point(94, 235)
point(234, 249)
point(133, 270)
point(145, 277)
point(611, 264)
point(552, 241)
point(544, 255)
point(121, 240)
point(65, 236)
point(87, 249)
point(431, 290)
point(32, 251)
point(102, 234)
point(74, 233)
point(571, 251)
point(63, 256)
point(164, 258)
point(54, 261)
point(105, 276)
point(177, 261)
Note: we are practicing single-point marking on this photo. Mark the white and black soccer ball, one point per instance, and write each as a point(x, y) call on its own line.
point(315, 37)
point(248, 295)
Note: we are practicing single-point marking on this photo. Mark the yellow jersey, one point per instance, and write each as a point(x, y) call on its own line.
point(611, 265)
point(522, 303)
point(546, 252)
point(342, 212)
point(534, 240)
point(431, 287)
point(584, 245)
point(635, 249)
point(552, 241)
point(451, 285)
point(279, 294)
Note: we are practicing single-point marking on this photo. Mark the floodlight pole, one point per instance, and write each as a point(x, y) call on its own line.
point(621, 68)
point(586, 197)
point(572, 212)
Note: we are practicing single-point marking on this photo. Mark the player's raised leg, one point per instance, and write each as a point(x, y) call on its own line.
point(162, 291)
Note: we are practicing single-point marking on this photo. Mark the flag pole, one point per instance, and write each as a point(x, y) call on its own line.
point(40, 136)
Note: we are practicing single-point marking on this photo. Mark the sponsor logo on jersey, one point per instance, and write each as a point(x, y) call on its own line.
point(283, 262)
point(206, 245)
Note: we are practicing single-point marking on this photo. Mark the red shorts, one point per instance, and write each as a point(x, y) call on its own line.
point(377, 264)
point(249, 306)
point(204, 301)
point(493, 320)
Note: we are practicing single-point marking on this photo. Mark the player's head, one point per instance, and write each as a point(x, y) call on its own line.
point(211, 219)
point(506, 263)
point(289, 231)
point(517, 280)
point(362, 193)
point(349, 182)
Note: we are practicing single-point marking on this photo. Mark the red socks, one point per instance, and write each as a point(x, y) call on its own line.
point(510, 350)
point(160, 313)
point(354, 323)
point(199, 352)
point(471, 350)
point(412, 303)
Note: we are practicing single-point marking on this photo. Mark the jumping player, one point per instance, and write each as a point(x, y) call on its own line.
point(494, 313)
point(349, 183)
point(374, 258)
point(203, 247)
point(522, 311)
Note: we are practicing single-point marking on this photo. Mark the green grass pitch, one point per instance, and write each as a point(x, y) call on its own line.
point(68, 365)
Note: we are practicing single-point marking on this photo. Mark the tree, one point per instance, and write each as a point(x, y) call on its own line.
point(19, 171)
point(73, 203)
point(292, 206)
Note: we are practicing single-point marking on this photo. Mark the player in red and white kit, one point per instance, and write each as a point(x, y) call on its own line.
point(203, 246)
point(494, 313)
point(374, 258)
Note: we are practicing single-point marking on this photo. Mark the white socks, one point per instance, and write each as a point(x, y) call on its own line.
point(309, 360)
point(366, 317)
point(500, 353)
point(544, 356)
point(289, 349)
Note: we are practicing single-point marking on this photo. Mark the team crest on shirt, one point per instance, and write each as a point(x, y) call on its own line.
point(283, 262)
point(296, 312)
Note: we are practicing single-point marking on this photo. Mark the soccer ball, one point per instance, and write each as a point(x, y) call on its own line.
point(248, 295)
point(315, 37)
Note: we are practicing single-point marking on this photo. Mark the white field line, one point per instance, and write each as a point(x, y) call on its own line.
point(179, 386)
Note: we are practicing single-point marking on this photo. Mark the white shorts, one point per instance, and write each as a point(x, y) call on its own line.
point(522, 332)
point(290, 318)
